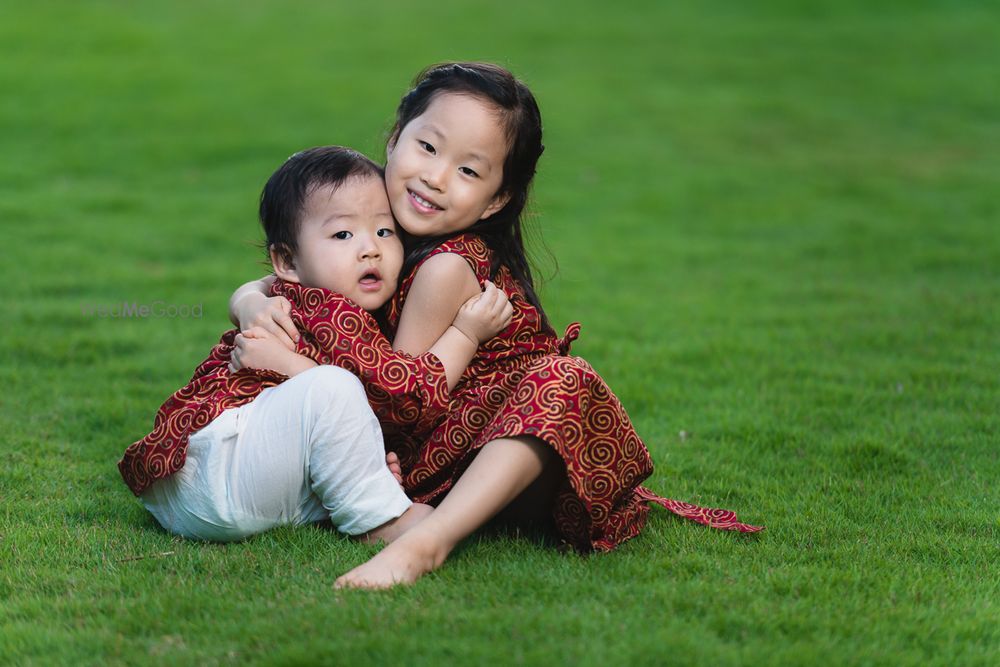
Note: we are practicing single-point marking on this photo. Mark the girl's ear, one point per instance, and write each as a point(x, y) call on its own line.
point(498, 203)
point(390, 145)
point(283, 263)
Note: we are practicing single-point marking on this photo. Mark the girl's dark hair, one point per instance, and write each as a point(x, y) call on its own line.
point(284, 196)
point(522, 125)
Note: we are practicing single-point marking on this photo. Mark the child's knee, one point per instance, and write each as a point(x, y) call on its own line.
point(333, 386)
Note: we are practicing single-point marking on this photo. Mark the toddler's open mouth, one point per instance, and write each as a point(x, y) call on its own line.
point(371, 280)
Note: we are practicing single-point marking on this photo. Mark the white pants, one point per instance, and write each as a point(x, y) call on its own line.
point(306, 450)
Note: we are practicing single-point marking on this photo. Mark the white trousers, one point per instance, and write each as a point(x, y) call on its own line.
point(306, 450)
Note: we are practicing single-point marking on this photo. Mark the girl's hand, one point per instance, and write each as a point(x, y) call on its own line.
point(484, 316)
point(255, 310)
point(259, 348)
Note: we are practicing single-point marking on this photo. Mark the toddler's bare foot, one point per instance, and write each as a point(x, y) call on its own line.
point(403, 562)
point(391, 530)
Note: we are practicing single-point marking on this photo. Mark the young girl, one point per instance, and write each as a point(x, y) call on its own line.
point(460, 161)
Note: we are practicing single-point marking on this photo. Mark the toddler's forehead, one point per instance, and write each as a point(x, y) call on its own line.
point(369, 188)
point(355, 183)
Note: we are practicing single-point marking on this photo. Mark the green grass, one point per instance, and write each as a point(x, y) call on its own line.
point(778, 223)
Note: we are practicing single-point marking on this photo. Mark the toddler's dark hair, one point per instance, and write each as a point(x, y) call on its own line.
point(522, 124)
point(284, 196)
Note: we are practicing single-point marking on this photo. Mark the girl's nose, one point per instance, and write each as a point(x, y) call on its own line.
point(434, 177)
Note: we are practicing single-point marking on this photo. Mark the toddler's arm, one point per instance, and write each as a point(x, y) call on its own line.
point(260, 349)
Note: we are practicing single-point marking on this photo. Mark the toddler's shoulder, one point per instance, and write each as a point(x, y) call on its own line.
point(315, 304)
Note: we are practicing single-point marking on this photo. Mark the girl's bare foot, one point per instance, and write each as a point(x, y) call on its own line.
point(392, 462)
point(403, 562)
point(390, 531)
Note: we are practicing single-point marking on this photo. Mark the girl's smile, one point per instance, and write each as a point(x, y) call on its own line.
point(423, 204)
point(444, 169)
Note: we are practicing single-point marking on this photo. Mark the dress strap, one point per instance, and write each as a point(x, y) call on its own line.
point(707, 516)
point(572, 333)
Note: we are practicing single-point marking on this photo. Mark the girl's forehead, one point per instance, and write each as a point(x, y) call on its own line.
point(468, 120)
point(462, 108)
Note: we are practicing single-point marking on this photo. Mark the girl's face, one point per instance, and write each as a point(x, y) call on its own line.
point(444, 169)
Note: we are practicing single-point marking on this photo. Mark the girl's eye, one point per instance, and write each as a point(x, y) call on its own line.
point(343, 236)
point(468, 172)
point(427, 147)
point(385, 233)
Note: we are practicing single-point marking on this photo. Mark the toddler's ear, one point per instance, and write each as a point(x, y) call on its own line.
point(283, 263)
point(498, 203)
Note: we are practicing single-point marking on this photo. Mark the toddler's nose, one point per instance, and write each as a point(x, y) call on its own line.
point(369, 248)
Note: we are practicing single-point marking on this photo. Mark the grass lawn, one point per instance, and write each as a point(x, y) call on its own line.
point(777, 222)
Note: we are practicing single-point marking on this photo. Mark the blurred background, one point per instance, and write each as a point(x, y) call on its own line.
point(776, 220)
point(720, 182)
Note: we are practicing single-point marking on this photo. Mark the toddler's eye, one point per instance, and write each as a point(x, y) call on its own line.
point(343, 236)
point(468, 172)
point(385, 233)
point(427, 147)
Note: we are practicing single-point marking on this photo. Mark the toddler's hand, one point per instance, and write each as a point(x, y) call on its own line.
point(259, 348)
point(271, 314)
point(485, 315)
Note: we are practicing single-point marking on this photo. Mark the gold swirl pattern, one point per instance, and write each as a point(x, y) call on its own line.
point(404, 391)
point(602, 453)
point(181, 422)
point(571, 431)
point(441, 458)
point(477, 418)
point(323, 336)
point(603, 417)
point(599, 483)
point(396, 372)
point(370, 356)
point(523, 382)
point(158, 462)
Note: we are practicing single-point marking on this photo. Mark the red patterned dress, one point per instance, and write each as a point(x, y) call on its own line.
point(404, 391)
point(525, 383)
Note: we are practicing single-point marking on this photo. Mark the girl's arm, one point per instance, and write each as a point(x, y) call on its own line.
point(478, 320)
point(442, 284)
point(251, 307)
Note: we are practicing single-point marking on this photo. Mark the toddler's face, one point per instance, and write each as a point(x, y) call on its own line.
point(347, 242)
point(446, 166)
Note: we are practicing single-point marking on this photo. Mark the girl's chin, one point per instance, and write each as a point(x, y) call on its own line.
point(424, 229)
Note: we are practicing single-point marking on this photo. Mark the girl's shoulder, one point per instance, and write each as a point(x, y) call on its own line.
point(471, 248)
